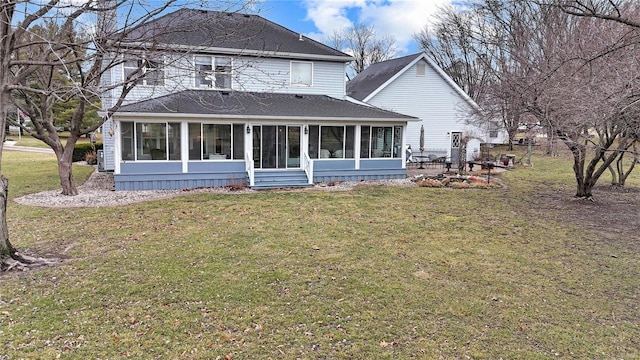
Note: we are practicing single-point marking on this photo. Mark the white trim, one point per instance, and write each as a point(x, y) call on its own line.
point(184, 146)
point(291, 74)
point(357, 146)
point(240, 52)
point(160, 116)
point(116, 127)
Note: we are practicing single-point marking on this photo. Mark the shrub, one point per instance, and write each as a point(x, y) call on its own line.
point(430, 183)
point(82, 149)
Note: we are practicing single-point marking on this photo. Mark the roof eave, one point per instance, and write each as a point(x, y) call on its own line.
point(129, 115)
point(233, 51)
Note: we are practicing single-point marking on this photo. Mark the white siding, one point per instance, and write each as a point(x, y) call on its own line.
point(249, 74)
point(273, 75)
point(441, 109)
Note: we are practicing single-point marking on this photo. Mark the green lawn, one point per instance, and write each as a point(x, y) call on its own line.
point(27, 140)
point(374, 273)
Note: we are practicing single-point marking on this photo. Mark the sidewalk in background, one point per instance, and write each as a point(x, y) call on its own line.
point(11, 146)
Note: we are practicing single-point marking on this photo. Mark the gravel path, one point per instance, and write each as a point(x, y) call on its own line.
point(98, 191)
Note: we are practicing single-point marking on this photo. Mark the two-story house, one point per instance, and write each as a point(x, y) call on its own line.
point(229, 99)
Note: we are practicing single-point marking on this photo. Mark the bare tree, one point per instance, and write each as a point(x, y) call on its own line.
point(477, 46)
point(56, 50)
point(361, 41)
point(452, 43)
point(583, 88)
point(573, 74)
point(613, 10)
point(623, 12)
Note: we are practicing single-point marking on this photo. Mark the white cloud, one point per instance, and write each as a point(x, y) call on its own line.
point(400, 18)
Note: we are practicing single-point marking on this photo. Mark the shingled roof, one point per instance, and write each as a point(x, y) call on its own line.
point(226, 30)
point(260, 105)
point(376, 75)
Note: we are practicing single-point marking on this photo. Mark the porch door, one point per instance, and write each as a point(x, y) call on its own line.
point(276, 146)
point(455, 147)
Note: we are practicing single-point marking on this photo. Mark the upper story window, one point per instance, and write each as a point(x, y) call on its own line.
point(494, 128)
point(146, 71)
point(213, 72)
point(301, 73)
point(421, 68)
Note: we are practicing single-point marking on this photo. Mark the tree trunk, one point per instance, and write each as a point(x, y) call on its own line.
point(7, 251)
point(10, 258)
point(614, 175)
point(65, 169)
point(66, 177)
point(582, 189)
point(584, 183)
point(623, 175)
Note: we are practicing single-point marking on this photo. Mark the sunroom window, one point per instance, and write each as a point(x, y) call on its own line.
point(216, 141)
point(213, 72)
point(381, 142)
point(153, 141)
point(331, 142)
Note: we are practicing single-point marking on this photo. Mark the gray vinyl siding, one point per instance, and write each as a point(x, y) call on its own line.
point(441, 109)
point(164, 175)
point(108, 146)
point(370, 169)
point(273, 75)
point(249, 74)
point(167, 175)
point(108, 101)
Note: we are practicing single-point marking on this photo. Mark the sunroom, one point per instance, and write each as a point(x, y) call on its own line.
point(259, 140)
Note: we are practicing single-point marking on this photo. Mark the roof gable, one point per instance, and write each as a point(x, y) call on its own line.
point(225, 30)
point(378, 76)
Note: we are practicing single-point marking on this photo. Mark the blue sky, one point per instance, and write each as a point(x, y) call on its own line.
point(319, 18)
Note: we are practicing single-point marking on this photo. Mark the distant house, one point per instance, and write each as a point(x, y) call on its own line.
point(416, 86)
point(237, 100)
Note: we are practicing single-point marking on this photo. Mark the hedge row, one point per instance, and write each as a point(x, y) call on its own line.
point(82, 149)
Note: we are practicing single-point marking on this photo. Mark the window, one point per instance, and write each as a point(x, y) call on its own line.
point(153, 73)
point(301, 73)
point(213, 72)
point(131, 69)
point(150, 141)
point(127, 143)
point(397, 141)
point(314, 141)
point(331, 142)
point(216, 141)
point(146, 71)
point(381, 142)
point(223, 72)
point(494, 127)
point(421, 68)
point(365, 140)
point(203, 71)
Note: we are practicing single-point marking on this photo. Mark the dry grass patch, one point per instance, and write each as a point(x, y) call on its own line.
point(376, 272)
